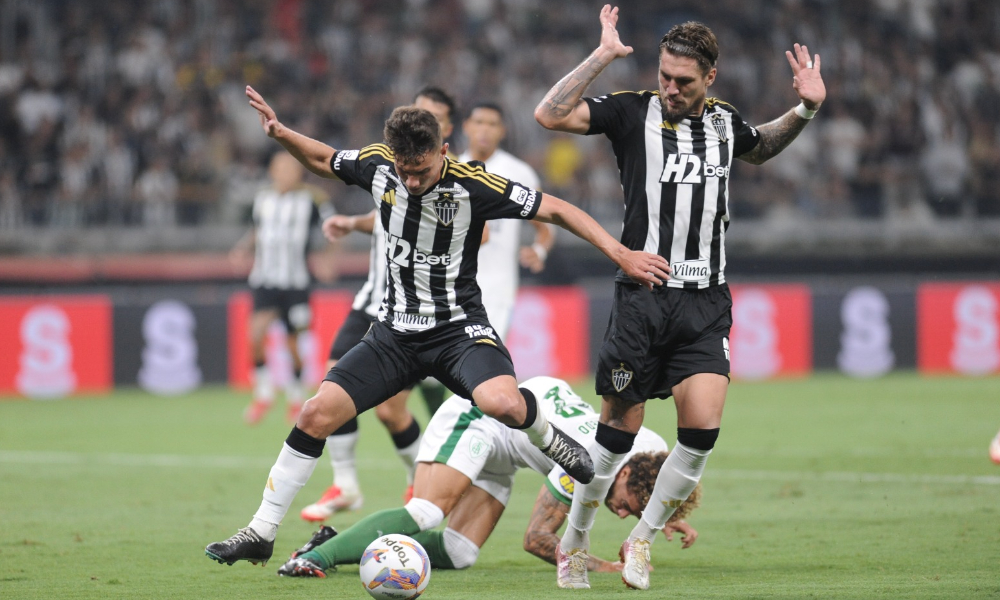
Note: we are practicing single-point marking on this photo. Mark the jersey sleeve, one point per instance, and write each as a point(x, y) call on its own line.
point(616, 114)
point(497, 197)
point(746, 138)
point(358, 167)
point(560, 485)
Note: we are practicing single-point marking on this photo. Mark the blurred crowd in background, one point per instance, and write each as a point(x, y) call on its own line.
point(133, 113)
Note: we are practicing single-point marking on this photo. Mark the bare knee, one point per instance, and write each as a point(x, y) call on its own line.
point(394, 419)
point(327, 411)
point(504, 405)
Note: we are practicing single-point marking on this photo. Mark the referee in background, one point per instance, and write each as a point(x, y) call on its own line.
point(675, 148)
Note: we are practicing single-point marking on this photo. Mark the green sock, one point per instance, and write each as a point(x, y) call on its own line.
point(348, 546)
point(433, 543)
point(433, 394)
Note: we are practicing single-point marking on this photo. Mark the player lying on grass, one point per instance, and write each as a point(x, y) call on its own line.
point(465, 472)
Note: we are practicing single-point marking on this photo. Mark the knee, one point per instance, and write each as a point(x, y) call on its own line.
point(326, 412)
point(392, 417)
point(506, 406)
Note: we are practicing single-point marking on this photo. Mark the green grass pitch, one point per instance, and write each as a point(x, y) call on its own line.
point(819, 488)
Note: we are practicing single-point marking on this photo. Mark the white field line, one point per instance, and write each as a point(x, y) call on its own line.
point(18, 457)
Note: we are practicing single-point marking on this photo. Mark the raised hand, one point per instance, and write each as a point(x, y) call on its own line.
point(609, 33)
point(268, 120)
point(806, 78)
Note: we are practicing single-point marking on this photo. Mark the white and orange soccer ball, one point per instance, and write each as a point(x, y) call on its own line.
point(395, 567)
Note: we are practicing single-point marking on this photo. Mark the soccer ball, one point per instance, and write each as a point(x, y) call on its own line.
point(395, 567)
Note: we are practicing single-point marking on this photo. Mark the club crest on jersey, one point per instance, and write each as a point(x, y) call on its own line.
point(621, 377)
point(719, 123)
point(446, 208)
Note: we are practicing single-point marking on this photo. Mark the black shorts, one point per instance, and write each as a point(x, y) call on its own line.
point(460, 355)
point(350, 333)
point(657, 339)
point(292, 306)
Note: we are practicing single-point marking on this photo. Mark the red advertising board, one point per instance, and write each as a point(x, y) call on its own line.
point(54, 346)
point(772, 331)
point(958, 328)
point(329, 309)
point(550, 332)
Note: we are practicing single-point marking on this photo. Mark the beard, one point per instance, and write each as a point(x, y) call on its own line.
point(674, 116)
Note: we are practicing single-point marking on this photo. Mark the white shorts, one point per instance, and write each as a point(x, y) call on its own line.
point(481, 448)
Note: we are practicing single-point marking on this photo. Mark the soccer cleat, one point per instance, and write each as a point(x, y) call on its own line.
point(334, 500)
point(325, 533)
point(995, 450)
point(570, 455)
point(256, 411)
point(245, 545)
point(635, 564)
point(301, 567)
point(571, 569)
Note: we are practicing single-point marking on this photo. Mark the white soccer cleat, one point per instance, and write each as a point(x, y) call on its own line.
point(334, 500)
point(571, 569)
point(995, 450)
point(635, 564)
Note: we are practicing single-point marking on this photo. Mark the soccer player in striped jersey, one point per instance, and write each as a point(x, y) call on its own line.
point(432, 320)
point(466, 470)
point(284, 216)
point(345, 492)
point(675, 148)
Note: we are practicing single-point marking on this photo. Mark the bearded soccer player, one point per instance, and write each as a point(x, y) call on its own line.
point(431, 321)
point(466, 473)
point(674, 147)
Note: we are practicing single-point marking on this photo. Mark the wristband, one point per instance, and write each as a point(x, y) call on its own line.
point(804, 112)
point(540, 251)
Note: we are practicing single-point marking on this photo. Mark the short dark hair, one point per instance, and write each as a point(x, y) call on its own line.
point(440, 96)
point(487, 105)
point(411, 133)
point(693, 40)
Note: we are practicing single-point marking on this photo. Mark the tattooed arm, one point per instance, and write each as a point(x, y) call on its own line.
point(808, 84)
point(562, 108)
point(541, 539)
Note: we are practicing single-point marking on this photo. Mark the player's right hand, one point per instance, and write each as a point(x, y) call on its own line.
point(268, 120)
point(338, 226)
point(609, 33)
point(644, 268)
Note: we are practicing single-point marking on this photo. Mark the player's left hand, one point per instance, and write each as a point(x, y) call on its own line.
point(688, 534)
point(644, 268)
point(337, 226)
point(806, 77)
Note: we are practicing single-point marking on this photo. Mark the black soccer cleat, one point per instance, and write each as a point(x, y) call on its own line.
point(301, 567)
point(325, 533)
point(245, 545)
point(570, 455)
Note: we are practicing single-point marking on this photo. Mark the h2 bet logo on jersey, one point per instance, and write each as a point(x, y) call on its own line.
point(402, 253)
point(689, 168)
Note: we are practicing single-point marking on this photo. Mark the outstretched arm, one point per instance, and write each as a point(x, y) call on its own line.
point(644, 268)
point(314, 155)
point(808, 84)
point(563, 109)
point(541, 540)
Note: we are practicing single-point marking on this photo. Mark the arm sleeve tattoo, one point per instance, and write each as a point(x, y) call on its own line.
point(775, 137)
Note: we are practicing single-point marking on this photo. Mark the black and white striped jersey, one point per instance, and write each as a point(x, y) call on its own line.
point(432, 241)
point(369, 297)
point(676, 180)
point(283, 225)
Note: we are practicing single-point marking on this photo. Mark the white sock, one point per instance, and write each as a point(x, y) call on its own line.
point(678, 477)
point(425, 513)
point(342, 456)
point(262, 388)
point(462, 551)
point(587, 498)
point(409, 457)
point(290, 472)
point(540, 433)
